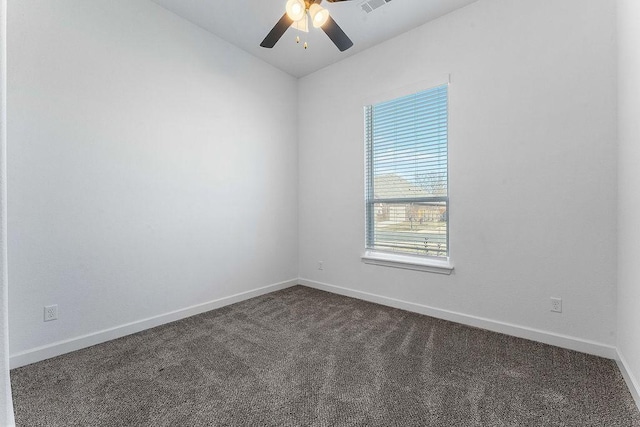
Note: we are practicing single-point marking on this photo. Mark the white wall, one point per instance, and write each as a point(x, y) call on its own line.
point(629, 185)
point(152, 167)
point(532, 163)
point(6, 405)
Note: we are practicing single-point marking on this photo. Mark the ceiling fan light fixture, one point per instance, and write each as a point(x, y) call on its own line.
point(296, 9)
point(319, 15)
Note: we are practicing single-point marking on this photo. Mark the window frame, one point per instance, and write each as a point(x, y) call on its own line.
point(398, 259)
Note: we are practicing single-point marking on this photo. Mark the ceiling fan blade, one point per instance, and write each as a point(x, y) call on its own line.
point(337, 36)
point(277, 31)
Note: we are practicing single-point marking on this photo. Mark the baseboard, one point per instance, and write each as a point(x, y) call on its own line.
point(77, 343)
point(559, 340)
point(629, 378)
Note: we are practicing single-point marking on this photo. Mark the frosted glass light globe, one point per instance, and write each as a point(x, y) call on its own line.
point(295, 9)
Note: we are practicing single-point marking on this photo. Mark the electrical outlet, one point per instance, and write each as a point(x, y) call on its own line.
point(556, 305)
point(51, 312)
point(320, 265)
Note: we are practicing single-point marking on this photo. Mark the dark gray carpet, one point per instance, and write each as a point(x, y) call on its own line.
point(302, 357)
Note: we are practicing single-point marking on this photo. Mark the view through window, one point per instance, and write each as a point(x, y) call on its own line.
point(407, 199)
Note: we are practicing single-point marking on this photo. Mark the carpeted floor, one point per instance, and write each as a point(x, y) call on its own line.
point(302, 357)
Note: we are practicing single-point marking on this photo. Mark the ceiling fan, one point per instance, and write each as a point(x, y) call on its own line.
point(297, 11)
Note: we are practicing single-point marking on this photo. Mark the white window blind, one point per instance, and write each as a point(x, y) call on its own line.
point(407, 198)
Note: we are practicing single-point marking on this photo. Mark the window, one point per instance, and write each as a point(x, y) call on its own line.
point(407, 198)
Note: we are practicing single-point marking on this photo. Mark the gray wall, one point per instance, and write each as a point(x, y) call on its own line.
point(152, 168)
point(629, 186)
point(532, 169)
point(6, 406)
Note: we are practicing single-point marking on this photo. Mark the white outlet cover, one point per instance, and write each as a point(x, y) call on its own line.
point(50, 312)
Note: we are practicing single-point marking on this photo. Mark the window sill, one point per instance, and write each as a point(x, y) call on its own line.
point(409, 262)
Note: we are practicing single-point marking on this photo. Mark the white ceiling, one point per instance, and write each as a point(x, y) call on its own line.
point(245, 23)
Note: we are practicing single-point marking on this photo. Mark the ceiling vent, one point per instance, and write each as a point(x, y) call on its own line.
point(371, 5)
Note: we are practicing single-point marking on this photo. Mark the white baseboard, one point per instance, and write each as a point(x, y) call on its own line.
point(559, 340)
point(61, 347)
point(629, 378)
